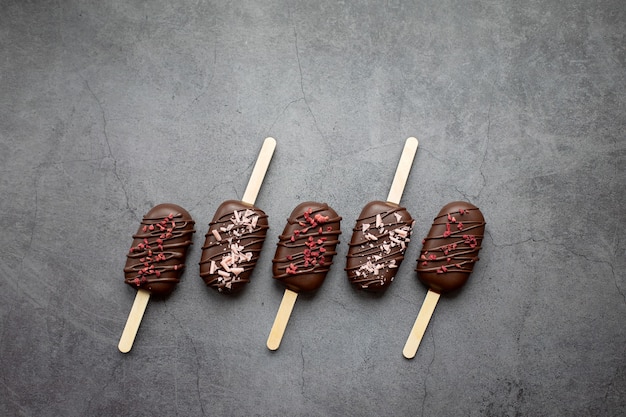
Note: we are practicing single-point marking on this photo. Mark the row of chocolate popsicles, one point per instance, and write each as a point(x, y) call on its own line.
point(305, 249)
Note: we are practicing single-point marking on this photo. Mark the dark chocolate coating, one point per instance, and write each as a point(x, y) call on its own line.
point(306, 248)
point(451, 248)
point(156, 258)
point(378, 243)
point(232, 246)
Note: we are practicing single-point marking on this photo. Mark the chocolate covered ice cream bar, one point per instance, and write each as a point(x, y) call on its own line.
point(155, 261)
point(449, 253)
point(379, 241)
point(232, 245)
point(304, 254)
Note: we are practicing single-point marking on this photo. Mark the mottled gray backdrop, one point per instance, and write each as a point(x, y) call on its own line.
point(110, 107)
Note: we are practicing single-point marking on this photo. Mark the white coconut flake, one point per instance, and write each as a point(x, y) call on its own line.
point(401, 232)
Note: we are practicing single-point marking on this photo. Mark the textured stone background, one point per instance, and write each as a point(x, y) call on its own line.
point(110, 107)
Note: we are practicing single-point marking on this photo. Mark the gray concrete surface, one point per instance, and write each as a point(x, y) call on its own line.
point(108, 108)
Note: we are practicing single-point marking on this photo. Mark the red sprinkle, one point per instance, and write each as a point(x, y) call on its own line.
point(321, 219)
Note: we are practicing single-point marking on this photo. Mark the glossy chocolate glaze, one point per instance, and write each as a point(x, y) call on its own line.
point(157, 255)
point(306, 248)
point(451, 248)
point(232, 246)
point(378, 243)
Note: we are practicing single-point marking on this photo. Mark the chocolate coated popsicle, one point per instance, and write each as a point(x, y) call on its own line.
point(236, 234)
point(378, 243)
point(304, 254)
point(382, 233)
point(155, 261)
point(232, 246)
point(447, 258)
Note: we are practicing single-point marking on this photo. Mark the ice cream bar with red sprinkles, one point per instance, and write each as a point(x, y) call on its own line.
point(304, 255)
point(446, 260)
point(155, 261)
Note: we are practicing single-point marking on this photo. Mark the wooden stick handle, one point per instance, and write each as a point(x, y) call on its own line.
point(259, 170)
point(403, 170)
point(133, 321)
point(281, 320)
point(423, 317)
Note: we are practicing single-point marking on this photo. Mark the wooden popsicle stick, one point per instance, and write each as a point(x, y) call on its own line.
point(259, 170)
point(281, 320)
point(423, 317)
point(403, 170)
point(134, 320)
